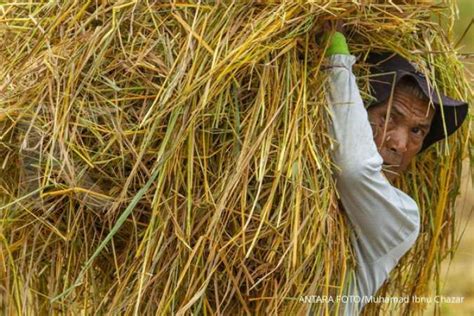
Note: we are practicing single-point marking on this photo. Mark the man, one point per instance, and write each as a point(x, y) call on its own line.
point(373, 147)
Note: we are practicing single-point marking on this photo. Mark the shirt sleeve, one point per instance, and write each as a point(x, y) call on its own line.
point(385, 220)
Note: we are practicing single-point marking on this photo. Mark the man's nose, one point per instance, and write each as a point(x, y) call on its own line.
point(397, 141)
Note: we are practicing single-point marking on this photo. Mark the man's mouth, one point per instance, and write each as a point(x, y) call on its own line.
point(391, 159)
point(391, 164)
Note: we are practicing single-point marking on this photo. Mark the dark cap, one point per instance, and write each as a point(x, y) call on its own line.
point(387, 69)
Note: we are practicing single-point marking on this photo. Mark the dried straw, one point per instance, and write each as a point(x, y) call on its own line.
point(173, 157)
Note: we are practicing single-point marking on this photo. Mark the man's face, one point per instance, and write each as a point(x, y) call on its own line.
point(399, 134)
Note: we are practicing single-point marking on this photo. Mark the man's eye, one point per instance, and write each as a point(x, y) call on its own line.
point(385, 116)
point(417, 130)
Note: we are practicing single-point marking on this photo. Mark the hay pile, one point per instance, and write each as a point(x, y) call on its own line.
point(174, 157)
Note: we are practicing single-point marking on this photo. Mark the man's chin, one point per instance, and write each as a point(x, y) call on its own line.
point(390, 173)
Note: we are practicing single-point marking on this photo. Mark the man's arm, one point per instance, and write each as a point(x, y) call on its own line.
point(385, 220)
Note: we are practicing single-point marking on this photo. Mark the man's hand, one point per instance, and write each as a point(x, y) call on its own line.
point(334, 33)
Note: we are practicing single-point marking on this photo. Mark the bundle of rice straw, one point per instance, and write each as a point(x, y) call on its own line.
point(173, 157)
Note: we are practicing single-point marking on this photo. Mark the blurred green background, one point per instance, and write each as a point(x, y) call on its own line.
point(466, 15)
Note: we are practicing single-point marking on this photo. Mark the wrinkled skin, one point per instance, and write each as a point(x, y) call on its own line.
point(407, 125)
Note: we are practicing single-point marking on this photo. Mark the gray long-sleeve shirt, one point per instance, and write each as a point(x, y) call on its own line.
point(385, 220)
